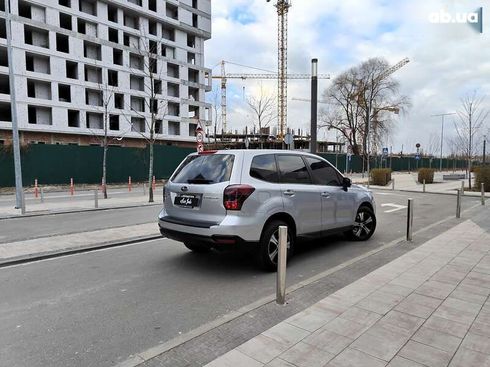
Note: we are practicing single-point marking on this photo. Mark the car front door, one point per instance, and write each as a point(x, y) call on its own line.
point(300, 196)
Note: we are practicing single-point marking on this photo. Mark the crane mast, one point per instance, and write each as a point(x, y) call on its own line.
point(282, 64)
point(223, 96)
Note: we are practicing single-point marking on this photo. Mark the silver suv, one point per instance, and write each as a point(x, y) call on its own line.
point(226, 198)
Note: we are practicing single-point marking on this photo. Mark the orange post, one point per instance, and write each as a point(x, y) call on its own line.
point(36, 190)
point(129, 184)
point(72, 188)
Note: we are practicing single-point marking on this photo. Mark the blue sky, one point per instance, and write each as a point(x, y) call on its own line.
point(446, 61)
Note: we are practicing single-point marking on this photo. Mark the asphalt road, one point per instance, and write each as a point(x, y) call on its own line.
point(98, 308)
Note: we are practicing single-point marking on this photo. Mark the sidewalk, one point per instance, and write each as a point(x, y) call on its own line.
point(429, 307)
point(20, 251)
point(76, 204)
point(408, 182)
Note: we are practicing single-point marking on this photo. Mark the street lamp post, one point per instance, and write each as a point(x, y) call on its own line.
point(19, 194)
point(442, 133)
point(314, 104)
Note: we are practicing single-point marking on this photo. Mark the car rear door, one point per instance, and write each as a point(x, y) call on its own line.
point(337, 204)
point(300, 197)
point(323, 181)
point(194, 194)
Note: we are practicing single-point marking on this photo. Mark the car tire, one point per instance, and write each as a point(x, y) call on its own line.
point(365, 225)
point(268, 251)
point(197, 247)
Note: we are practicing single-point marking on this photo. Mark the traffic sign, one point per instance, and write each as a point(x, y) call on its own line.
point(385, 151)
point(417, 157)
point(288, 139)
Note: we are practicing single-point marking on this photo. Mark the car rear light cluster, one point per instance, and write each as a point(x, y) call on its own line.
point(235, 195)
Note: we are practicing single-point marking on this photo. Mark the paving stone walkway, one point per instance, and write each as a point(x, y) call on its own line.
point(430, 307)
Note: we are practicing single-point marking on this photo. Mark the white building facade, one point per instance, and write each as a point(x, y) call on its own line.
point(81, 65)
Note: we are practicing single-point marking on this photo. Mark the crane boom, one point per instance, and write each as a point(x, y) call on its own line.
point(393, 68)
point(269, 76)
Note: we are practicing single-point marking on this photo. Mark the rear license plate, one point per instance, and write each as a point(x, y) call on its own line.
point(188, 201)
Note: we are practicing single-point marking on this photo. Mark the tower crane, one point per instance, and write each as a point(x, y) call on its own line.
point(282, 7)
point(244, 76)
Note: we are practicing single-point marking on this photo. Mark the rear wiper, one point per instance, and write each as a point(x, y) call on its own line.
point(199, 181)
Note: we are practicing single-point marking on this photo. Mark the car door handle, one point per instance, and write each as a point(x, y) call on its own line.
point(289, 193)
point(325, 195)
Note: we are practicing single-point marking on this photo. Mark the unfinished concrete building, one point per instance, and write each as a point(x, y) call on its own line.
point(73, 58)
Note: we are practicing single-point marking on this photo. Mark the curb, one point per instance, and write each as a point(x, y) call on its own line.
point(77, 250)
point(41, 213)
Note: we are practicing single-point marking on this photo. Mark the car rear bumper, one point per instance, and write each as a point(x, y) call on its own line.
point(241, 229)
point(215, 240)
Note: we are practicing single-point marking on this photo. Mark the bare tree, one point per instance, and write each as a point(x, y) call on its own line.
point(471, 118)
point(361, 94)
point(152, 108)
point(106, 90)
point(432, 145)
point(263, 108)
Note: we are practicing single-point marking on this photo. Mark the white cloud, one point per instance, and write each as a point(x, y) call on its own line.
point(446, 61)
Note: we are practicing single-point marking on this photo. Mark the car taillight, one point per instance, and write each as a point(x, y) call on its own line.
point(235, 195)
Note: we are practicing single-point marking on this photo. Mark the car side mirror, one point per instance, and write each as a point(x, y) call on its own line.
point(346, 183)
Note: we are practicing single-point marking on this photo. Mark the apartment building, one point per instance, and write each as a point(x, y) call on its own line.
point(83, 65)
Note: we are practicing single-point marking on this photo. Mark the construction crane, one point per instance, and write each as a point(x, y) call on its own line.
point(282, 63)
point(243, 76)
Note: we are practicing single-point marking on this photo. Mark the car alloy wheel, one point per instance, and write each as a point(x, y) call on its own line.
point(364, 225)
point(273, 246)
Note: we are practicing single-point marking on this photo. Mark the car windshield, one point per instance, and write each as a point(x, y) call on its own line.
point(205, 169)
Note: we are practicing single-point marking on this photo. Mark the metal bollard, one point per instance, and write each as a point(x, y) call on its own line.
point(393, 184)
point(462, 187)
point(482, 193)
point(281, 265)
point(409, 219)
point(458, 204)
point(42, 194)
point(96, 198)
point(424, 185)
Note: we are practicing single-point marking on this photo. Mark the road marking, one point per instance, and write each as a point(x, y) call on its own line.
point(395, 206)
point(389, 194)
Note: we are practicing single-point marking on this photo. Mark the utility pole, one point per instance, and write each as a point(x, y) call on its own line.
point(19, 193)
point(442, 133)
point(314, 105)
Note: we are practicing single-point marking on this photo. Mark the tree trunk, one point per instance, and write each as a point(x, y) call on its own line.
point(150, 175)
point(104, 170)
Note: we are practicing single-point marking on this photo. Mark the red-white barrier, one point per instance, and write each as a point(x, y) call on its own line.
point(72, 187)
point(130, 185)
point(154, 184)
point(36, 189)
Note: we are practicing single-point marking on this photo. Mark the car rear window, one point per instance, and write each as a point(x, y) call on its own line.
point(205, 169)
